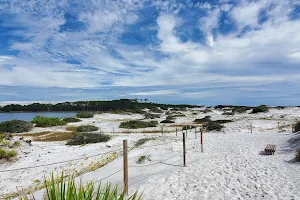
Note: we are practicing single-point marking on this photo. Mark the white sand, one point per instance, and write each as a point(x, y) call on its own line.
point(231, 166)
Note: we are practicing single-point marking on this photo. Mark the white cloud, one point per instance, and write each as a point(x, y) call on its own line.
point(154, 93)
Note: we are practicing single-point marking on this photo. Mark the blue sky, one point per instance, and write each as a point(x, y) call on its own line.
point(197, 52)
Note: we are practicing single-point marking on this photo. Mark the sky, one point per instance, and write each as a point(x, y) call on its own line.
point(178, 51)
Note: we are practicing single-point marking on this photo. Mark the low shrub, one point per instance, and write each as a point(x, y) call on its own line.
point(223, 121)
point(151, 116)
point(15, 126)
point(297, 155)
point(41, 121)
point(297, 127)
point(17, 144)
point(259, 109)
point(203, 120)
point(2, 136)
point(86, 128)
point(167, 121)
point(213, 126)
point(143, 159)
point(54, 137)
point(134, 124)
point(87, 138)
point(7, 154)
point(241, 109)
point(142, 141)
point(228, 113)
point(155, 110)
point(71, 119)
point(84, 115)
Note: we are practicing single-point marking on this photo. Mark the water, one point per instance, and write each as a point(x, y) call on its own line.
point(28, 116)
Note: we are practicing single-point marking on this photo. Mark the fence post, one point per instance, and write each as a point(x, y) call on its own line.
point(162, 131)
point(251, 127)
point(176, 131)
point(125, 166)
point(186, 131)
point(195, 132)
point(201, 139)
point(184, 154)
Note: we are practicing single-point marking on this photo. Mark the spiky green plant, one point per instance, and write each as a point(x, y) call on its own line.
point(66, 189)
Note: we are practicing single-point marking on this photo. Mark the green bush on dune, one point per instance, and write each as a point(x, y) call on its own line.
point(15, 126)
point(134, 124)
point(7, 154)
point(259, 109)
point(41, 121)
point(84, 115)
point(297, 155)
point(71, 119)
point(297, 127)
point(86, 128)
point(86, 138)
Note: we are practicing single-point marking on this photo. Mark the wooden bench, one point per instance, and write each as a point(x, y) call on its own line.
point(270, 149)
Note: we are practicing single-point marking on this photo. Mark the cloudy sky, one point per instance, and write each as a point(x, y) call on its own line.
point(199, 52)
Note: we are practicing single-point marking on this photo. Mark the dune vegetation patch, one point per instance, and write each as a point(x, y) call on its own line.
point(86, 128)
point(85, 115)
point(41, 121)
point(15, 126)
point(134, 124)
point(55, 137)
point(87, 138)
point(7, 153)
point(71, 119)
point(260, 109)
point(143, 141)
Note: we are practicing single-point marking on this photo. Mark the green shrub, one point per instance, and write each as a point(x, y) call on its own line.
point(241, 109)
point(155, 110)
point(213, 126)
point(228, 113)
point(143, 158)
point(15, 126)
point(297, 127)
point(223, 121)
point(167, 121)
point(259, 109)
point(297, 155)
point(134, 124)
point(41, 121)
point(17, 144)
point(143, 141)
point(84, 115)
point(71, 119)
point(65, 188)
point(2, 136)
point(7, 154)
point(151, 116)
point(86, 138)
point(86, 128)
point(203, 120)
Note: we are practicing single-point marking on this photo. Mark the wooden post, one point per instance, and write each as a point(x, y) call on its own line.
point(195, 132)
point(125, 166)
point(184, 154)
point(201, 139)
point(176, 131)
point(250, 127)
point(162, 131)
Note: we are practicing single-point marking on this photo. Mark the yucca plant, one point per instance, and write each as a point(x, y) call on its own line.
point(67, 189)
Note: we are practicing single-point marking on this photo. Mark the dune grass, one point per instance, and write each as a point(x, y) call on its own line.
point(62, 188)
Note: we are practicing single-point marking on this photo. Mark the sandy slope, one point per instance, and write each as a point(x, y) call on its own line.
point(230, 168)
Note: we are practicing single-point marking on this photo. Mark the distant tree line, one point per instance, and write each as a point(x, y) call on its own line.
point(121, 104)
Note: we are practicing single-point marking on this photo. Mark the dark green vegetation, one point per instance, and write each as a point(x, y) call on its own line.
point(259, 109)
point(188, 127)
point(86, 138)
point(203, 120)
point(213, 126)
point(241, 109)
point(41, 121)
point(143, 141)
point(122, 104)
point(7, 154)
point(151, 116)
point(297, 158)
point(155, 110)
point(86, 128)
point(84, 115)
point(134, 124)
point(297, 127)
point(167, 121)
point(15, 126)
point(223, 121)
point(71, 119)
